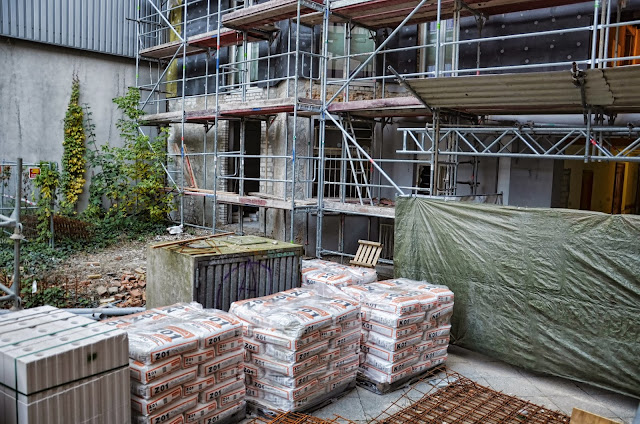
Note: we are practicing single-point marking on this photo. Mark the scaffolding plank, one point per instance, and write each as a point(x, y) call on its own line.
point(167, 50)
point(261, 14)
point(261, 200)
point(358, 209)
point(389, 13)
point(533, 92)
point(228, 37)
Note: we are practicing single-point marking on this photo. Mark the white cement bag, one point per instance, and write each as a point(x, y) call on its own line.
point(391, 332)
point(157, 387)
point(198, 357)
point(292, 382)
point(390, 367)
point(390, 319)
point(287, 369)
point(289, 356)
point(149, 406)
point(146, 373)
point(176, 408)
point(387, 355)
point(153, 345)
point(438, 332)
point(200, 411)
point(229, 361)
point(393, 344)
point(219, 416)
point(198, 385)
point(289, 394)
point(330, 278)
point(218, 390)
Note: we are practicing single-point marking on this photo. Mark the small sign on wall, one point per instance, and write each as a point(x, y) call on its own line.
point(33, 173)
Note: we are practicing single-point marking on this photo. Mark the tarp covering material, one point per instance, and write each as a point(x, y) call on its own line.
point(551, 290)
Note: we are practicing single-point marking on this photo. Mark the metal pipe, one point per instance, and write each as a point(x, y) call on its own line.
point(17, 237)
point(104, 311)
point(215, 127)
point(295, 128)
point(606, 30)
point(617, 39)
point(438, 21)
point(594, 35)
point(323, 121)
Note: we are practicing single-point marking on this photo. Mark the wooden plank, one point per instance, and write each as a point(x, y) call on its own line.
point(372, 243)
point(578, 416)
point(176, 242)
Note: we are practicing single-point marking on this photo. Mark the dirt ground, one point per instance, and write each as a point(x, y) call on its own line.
point(117, 274)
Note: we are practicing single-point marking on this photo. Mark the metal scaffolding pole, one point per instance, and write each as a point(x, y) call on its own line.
point(323, 122)
point(215, 125)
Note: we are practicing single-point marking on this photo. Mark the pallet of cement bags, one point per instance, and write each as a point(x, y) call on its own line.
point(320, 274)
point(186, 364)
point(301, 349)
point(405, 331)
point(60, 368)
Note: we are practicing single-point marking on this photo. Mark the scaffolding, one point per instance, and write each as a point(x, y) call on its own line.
point(325, 115)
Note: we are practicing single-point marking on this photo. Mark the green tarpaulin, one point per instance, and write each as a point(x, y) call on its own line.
point(551, 290)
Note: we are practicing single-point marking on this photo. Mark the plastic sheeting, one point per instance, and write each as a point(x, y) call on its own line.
point(551, 290)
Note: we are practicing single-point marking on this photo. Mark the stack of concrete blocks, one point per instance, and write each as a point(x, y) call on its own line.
point(301, 348)
point(405, 328)
point(323, 276)
point(59, 368)
point(186, 365)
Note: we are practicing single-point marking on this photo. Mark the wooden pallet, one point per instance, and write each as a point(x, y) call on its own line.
point(368, 254)
point(384, 388)
point(258, 410)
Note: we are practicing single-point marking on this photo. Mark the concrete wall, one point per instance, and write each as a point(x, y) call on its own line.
point(531, 182)
point(35, 82)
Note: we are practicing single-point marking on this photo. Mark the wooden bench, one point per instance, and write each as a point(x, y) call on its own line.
point(368, 254)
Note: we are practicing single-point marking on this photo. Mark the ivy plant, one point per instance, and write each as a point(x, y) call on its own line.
point(130, 179)
point(73, 158)
point(47, 183)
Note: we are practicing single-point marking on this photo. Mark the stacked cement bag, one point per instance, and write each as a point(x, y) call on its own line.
point(405, 328)
point(317, 272)
point(300, 347)
point(185, 364)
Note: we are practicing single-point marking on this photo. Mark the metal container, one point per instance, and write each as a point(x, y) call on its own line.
point(217, 271)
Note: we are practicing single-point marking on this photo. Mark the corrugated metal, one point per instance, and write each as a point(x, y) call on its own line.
point(104, 26)
point(613, 89)
point(220, 282)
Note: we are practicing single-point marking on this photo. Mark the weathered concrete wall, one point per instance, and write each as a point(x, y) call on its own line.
point(35, 82)
point(170, 278)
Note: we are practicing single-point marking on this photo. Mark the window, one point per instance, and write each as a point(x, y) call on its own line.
point(361, 44)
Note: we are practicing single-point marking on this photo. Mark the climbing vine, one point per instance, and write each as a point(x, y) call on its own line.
point(131, 178)
point(47, 184)
point(73, 159)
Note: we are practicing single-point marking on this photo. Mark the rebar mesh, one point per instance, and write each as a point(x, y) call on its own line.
point(454, 399)
point(298, 418)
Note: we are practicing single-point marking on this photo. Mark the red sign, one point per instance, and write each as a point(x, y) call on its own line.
point(33, 173)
